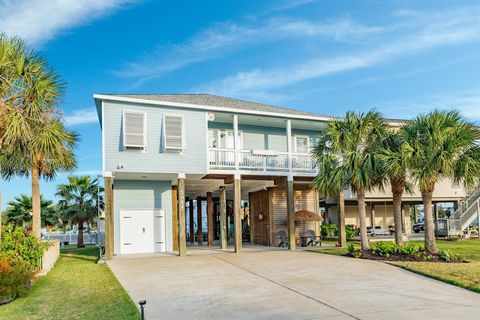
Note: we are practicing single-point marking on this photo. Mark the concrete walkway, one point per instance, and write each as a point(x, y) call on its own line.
point(286, 285)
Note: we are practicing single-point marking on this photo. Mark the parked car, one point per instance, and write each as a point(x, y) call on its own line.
point(417, 227)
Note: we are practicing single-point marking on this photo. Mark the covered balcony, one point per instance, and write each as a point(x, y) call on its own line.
point(257, 144)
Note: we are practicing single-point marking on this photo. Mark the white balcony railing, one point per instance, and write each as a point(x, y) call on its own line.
point(224, 159)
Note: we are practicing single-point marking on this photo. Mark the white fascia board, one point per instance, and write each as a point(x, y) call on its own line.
point(213, 108)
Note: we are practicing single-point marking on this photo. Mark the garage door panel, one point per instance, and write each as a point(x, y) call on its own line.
point(159, 230)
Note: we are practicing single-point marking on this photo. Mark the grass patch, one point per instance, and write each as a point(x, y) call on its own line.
point(465, 275)
point(76, 288)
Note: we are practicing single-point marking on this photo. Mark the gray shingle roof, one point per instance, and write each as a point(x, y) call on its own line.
point(218, 101)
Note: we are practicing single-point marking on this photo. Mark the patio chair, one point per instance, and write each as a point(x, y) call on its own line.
point(283, 239)
point(314, 240)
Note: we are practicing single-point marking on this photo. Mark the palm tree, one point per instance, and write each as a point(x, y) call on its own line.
point(354, 144)
point(79, 202)
point(19, 211)
point(332, 181)
point(440, 145)
point(33, 139)
point(395, 168)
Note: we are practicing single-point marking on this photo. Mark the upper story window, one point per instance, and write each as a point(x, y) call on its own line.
point(134, 129)
point(174, 132)
point(302, 144)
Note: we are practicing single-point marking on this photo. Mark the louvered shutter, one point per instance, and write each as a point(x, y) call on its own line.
point(134, 129)
point(173, 126)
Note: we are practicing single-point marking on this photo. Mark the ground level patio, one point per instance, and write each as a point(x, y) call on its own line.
point(280, 284)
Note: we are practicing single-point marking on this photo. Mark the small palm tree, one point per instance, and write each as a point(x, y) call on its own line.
point(19, 212)
point(79, 202)
point(440, 145)
point(333, 178)
point(396, 168)
point(354, 144)
point(33, 139)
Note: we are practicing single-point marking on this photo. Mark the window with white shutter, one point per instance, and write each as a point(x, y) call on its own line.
point(173, 132)
point(134, 129)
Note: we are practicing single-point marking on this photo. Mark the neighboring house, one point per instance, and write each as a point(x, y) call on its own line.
point(165, 154)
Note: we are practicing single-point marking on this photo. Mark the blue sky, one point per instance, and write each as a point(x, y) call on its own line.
point(401, 57)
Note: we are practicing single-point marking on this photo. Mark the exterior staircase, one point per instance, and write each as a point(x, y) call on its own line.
point(462, 218)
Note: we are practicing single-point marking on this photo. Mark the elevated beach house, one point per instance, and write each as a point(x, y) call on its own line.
point(199, 169)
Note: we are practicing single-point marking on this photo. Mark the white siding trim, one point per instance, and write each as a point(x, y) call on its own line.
point(103, 136)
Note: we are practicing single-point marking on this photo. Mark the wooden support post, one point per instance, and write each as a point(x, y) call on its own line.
point(199, 221)
point(237, 206)
point(291, 214)
point(109, 212)
point(190, 221)
point(252, 219)
point(223, 218)
point(182, 241)
point(175, 218)
point(210, 219)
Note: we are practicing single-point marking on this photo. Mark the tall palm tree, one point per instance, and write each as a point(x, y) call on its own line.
point(79, 201)
point(440, 145)
point(33, 139)
point(19, 211)
point(333, 178)
point(396, 168)
point(354, 143)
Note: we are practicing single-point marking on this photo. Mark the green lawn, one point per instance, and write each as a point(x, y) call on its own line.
point(76, 288)
point(465, 275)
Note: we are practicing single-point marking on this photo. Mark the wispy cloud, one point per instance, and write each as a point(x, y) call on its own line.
point(465, 101)
point(38, 21)
point(435, 30)
point(226, 37)
point(81, 116)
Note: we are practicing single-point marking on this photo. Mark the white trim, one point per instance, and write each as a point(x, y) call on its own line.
point(289, 145)
point(392, 123)
point(206, 107)
point(184, 144)
point(208, 141)
point(144, 113)
point(103, 136)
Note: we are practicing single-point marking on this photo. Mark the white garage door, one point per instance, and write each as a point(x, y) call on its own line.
point(142, 231)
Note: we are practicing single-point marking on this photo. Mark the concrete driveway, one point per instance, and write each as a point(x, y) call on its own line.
point(286, 285)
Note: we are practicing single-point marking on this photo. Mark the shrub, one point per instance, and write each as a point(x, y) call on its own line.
point(445, 255)
point(17, 246)
point(15, 279)
point(349, 232)
point(354, 251)
point(383, 249)
point(407, 249)
point(329, 230)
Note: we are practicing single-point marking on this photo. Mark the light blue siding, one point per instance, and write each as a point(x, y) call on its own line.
point(133, 194)
point(155, 159)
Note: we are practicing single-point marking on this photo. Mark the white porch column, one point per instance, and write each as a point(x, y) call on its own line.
point(236, 142)
point(289, 145)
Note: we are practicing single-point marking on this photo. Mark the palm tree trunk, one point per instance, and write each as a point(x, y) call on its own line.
point(80, 243)
point(397, 192)
point(363, 219)
point(342, 236)
point(430, 245)
point(36, 209)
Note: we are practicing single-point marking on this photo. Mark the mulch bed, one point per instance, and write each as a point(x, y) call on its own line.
point(420, 257)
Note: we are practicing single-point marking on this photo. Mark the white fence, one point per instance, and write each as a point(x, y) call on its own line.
point(71, 238)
